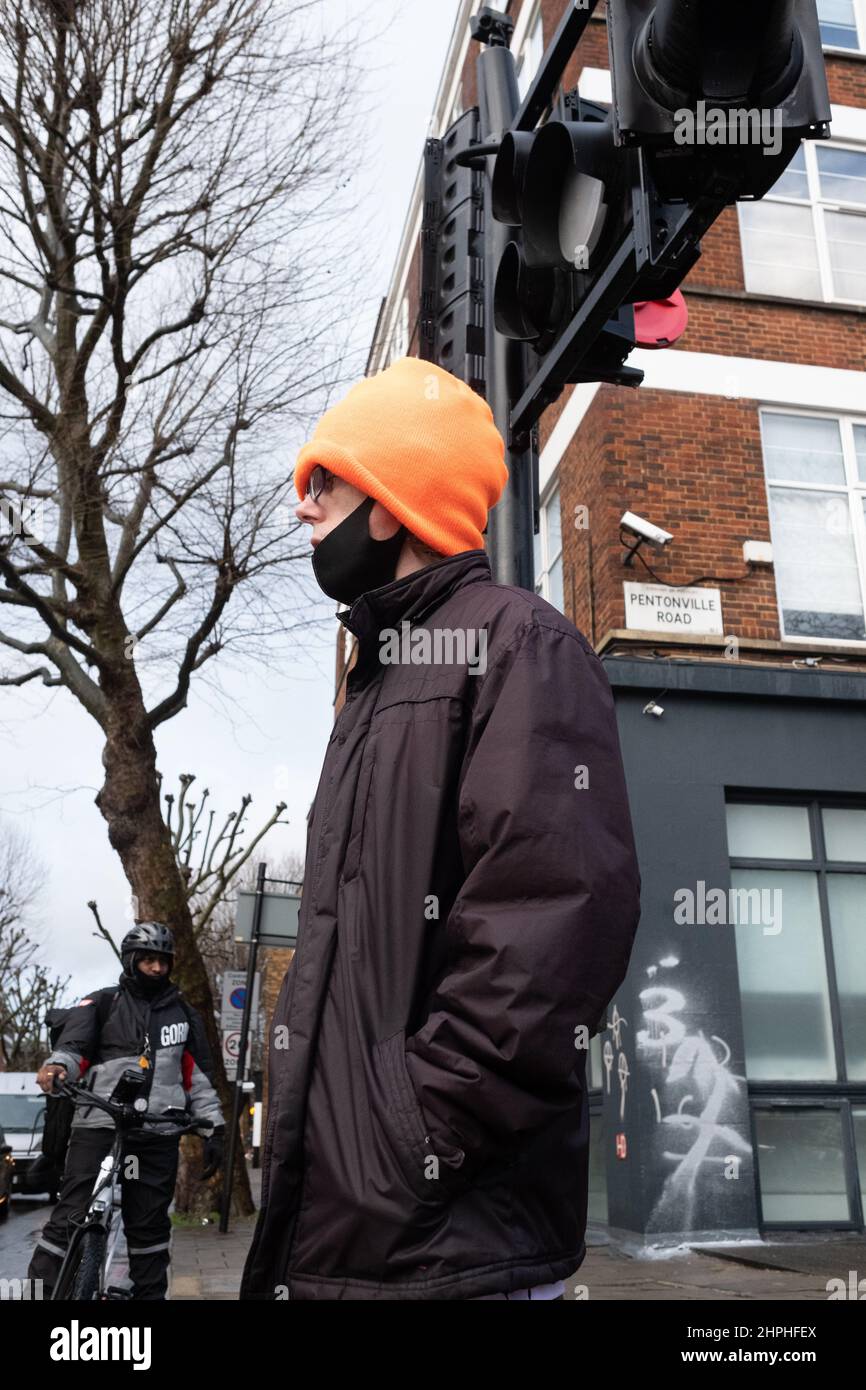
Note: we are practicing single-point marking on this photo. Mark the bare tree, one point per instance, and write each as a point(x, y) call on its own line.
point(21, 877)
point(169, 308)
point(211, 855)
point(25, 998)
point(27, 988)
point(219, 947)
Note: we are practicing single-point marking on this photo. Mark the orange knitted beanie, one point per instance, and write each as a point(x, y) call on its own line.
point(421, 442)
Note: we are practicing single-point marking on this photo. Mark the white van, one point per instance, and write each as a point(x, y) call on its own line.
point(22, 1116)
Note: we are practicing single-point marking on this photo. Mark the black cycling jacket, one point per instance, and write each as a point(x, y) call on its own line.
point(170, 1033)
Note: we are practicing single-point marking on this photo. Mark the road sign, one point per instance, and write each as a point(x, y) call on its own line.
point(231, 1048)
point(232, 1001)
point(279, 922)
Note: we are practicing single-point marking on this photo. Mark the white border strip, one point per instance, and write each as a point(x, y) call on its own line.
point(751, 378)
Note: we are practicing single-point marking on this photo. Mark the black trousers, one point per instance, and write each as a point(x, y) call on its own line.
point(146, 1192)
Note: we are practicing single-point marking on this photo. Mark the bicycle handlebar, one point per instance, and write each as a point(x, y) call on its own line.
point(79, 1095)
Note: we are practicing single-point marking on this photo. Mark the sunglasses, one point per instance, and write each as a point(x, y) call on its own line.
point(321, 480)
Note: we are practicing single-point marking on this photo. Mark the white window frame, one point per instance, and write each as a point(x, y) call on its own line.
point(860, 22)
point(854, 488)
point(400, 336)
point(541, 581)
point(534, 28)
point(817, 207)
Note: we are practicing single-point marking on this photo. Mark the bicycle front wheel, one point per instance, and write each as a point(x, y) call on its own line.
point(86, 1284)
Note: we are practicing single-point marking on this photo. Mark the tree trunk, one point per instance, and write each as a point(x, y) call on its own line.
point(129, 802)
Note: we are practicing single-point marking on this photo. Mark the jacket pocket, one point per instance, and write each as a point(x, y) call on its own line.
point(430, 1179)
point(354, 844)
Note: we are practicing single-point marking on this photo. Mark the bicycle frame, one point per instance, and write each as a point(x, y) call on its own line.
point(104, 1207)
point(102, 1210)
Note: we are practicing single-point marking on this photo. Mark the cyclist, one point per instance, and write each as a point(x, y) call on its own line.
point(146, 1024)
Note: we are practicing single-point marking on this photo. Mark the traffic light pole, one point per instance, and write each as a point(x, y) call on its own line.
point(512, 522)
point(233, 1134)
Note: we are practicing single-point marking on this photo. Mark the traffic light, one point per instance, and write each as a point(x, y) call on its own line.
point(720, 95)
point(607, 205)
point(560, 189)
point(451, 322)
point(557, 231)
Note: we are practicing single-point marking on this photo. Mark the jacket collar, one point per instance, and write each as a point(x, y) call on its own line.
point(129, 983)
point(416, 594)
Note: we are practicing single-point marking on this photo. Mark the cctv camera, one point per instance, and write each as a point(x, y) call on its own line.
point(645, 529)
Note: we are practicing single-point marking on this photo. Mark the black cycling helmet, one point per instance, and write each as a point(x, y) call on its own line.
point(146, 937)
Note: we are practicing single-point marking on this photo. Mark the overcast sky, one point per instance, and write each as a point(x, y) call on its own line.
point(265, 734)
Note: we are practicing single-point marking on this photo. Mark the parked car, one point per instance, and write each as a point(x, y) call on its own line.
point(22, 1117)
point(7, 1175)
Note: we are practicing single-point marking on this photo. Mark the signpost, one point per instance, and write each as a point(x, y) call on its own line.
point(232, 1012)
point(267, 919)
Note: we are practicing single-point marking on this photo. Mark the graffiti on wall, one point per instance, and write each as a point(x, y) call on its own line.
point(699, 1152)
point(700, 1108)
point(613, 1051)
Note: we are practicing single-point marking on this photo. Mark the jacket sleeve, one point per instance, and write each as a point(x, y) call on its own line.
point(198, 1076)
point(540, 932)
point(77, 1044)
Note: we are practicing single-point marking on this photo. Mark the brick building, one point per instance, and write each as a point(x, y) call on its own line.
point(729, 1090)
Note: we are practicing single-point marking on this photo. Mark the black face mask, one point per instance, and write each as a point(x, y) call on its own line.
point(148, 986)
point(349, 562)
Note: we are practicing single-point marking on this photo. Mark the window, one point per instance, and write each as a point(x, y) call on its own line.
point(531, 54)
point(400, 339)
point(597, 1209)
point(597, 1195)
point(800, 951)
point(840, 23)
point(547, 547)
point(802, 971)
point(816, 489)
point(807, 237)
point(801, 1162)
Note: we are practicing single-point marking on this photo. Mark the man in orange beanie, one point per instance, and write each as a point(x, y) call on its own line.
point(410, 463)
point(471, 890)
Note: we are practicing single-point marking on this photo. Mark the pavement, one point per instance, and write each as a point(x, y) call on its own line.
point(792, 1268)
point(780, 1269)
point(206, 1264)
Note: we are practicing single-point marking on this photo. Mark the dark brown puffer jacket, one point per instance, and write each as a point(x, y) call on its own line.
point(470, 901)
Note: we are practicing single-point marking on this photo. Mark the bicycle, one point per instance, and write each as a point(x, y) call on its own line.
point(93, 1243)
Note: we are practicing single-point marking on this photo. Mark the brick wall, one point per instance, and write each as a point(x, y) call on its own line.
point(274, 964)
point(694, 462)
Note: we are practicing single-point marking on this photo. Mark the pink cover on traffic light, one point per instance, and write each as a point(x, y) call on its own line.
point(659, 322)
